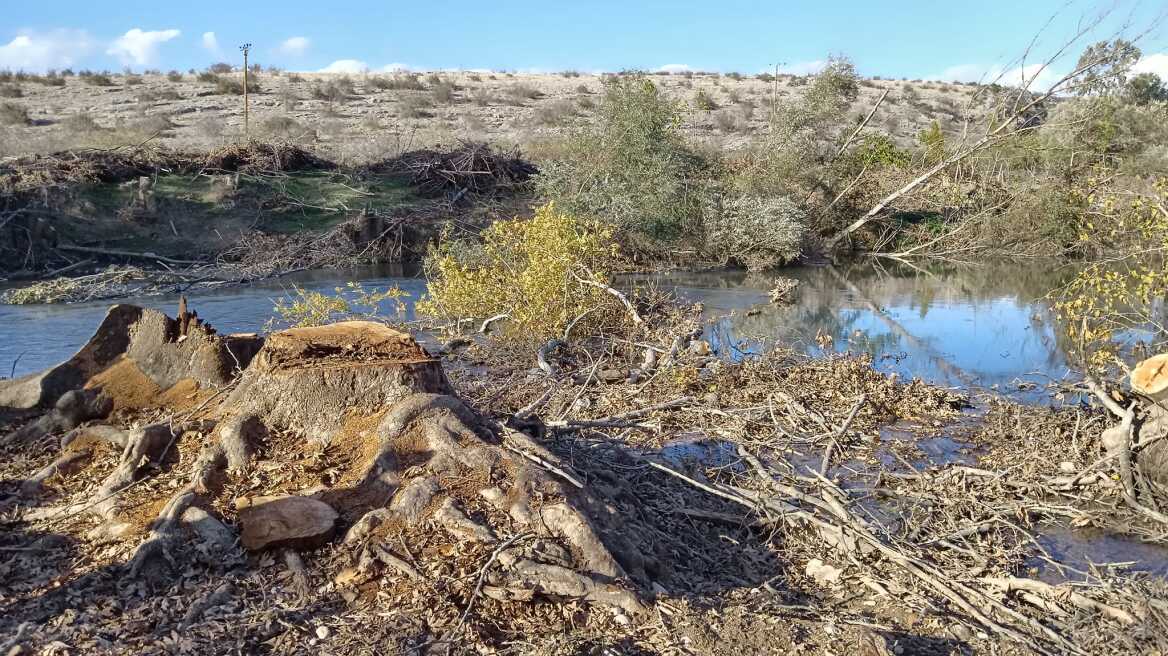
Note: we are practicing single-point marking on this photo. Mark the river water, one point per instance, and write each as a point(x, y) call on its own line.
point(969, 326)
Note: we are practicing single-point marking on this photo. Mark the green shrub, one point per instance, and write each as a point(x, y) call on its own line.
point(309, 308)
point(233, 86)
point(1146, 88)
point(632, 169)
point(532, 271)
point(734, 75)
point(765, 77)
point(756, 232)
point(704, 101)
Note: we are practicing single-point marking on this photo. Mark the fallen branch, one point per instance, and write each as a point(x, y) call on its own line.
point(130, 254)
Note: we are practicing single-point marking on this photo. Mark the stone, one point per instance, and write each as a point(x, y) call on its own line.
point(285, 521)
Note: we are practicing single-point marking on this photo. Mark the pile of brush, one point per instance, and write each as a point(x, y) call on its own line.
point(471, 168)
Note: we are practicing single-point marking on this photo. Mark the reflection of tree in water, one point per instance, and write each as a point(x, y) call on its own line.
point(850, 307)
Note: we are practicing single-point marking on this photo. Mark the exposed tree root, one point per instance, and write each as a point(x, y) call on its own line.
point(416, 460)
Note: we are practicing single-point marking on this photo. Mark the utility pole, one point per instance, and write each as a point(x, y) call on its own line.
point(245, 47)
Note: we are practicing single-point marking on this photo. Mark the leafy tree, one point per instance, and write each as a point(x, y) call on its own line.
point(1145, 89)
point(1103, 67)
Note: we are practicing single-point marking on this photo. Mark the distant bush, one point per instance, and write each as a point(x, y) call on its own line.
point(443, 92)
point(13, 114)
point(50, 80)
point(482, 97)
point(81, 122)
point(399, 82)
point(337, 90)
point(704, 101)
point(220, 68)
point(232, 86)
point(756, 232)
point(569, 73)
point(517, 94)
point(734, 75)
point(99, 80)
point(416, 107)
point(765, 77)
point(282, 127)
point(133, 80)
point(11, 91)
point(729, 121)
point(475, 77)
point(174, 76)
point(556, 112)
point(583, 88)
point(532, 271)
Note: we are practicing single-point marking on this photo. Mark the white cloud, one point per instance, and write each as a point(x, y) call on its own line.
point(1035, 77)
point(1157, 63)
point(396, 67)
point(39, 51)
point(674, 69)
point(803, 68)
point(294, 46)
point(211, 42)
point(140, 47)
point(349, 66)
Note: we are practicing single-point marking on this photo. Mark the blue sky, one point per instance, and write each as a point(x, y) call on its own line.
point(899, 39)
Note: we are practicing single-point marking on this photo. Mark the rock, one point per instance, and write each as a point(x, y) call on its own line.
point(285, 521)
point(823, 573)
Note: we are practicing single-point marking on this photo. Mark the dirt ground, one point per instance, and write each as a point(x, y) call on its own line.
point(371, 123)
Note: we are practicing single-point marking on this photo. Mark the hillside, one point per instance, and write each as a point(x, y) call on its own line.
point(361, 118)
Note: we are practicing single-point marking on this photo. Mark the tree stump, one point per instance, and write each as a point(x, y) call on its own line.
point(413, 461)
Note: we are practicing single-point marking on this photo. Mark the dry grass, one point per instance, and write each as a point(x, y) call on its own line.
point(497, 107)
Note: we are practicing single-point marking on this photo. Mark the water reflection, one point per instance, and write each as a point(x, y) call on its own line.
point(984, 325)
point(953, 325)
point(35, 337)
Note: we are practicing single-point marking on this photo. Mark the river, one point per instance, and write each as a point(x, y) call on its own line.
point(985, 326)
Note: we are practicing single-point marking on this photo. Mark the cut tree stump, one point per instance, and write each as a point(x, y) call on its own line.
point(408, 459)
